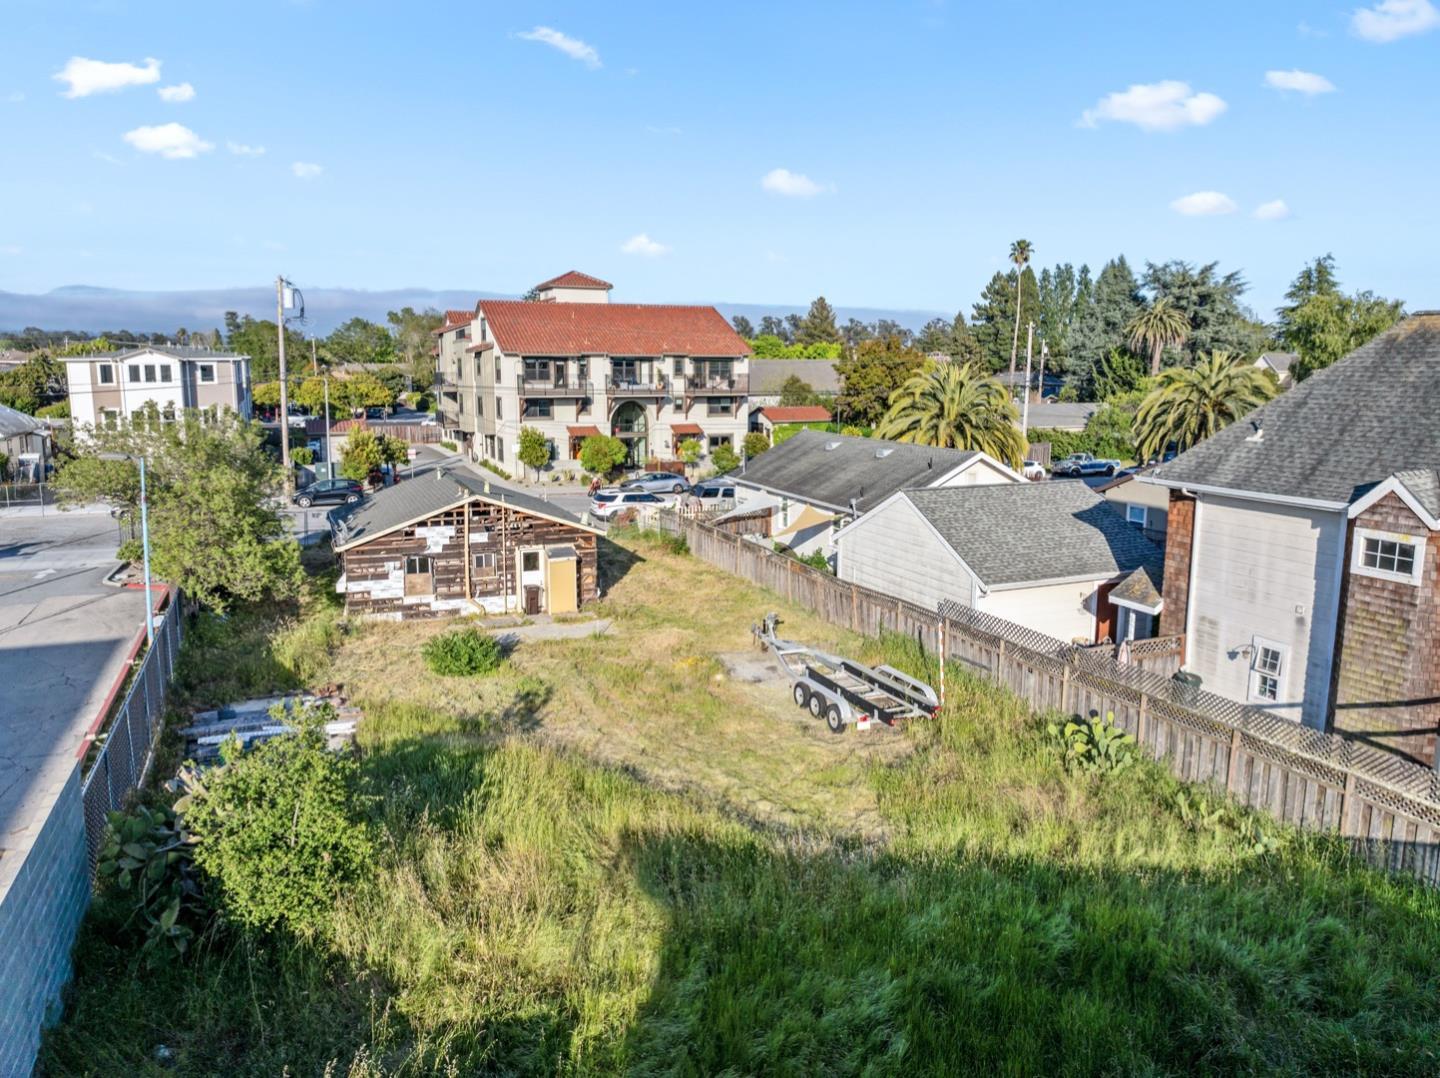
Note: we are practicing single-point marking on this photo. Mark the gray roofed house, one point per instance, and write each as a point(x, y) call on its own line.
point(767, 376)
point(1042, 555)
point(1303, 545)
point(1277, 363)
point(24, 443)
point(1061, 415)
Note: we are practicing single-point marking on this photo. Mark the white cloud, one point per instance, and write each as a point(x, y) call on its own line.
point(306, 170)
point(108, 158)
point(241, 149)
point(642, 244)
point(168, 140)
point(85, 77)
point(781, 181)
point(1204, 204)
point(1275, 210)
point(572, 47)
point(1390, 20)
point(1156, 106)
point(177, 94)
point(1302, 82)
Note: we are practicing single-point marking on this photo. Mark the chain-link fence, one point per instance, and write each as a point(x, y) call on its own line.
point(126, 745)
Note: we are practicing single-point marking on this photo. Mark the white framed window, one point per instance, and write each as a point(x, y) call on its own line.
point(207, 372)
point(1388, 555)
point(149, 372)
point(107, 374)
point(164, 372)
point(134, 372)
point(1135, 514)
point(1268, 662)
point(484, 564)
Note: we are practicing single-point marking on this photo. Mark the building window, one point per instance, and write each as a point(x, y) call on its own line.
point(717, 440)
point(530, 561)
point(1388, 556)
point(1267, 670)
point(499, 408)
point(537, 370)
point(134, 372)
point(497, 370)
point(677, 366)
point(538, 409)
point(484, 564)
point(479, 405)
point(460, 405)
point(1135, 514)
point(720, 406)
point(107, 374)
point(550, 448)
point(207, 372)
point(111, 418)
point(149, 372)
point(164, 372)
point(419, 575)
point(500, 447)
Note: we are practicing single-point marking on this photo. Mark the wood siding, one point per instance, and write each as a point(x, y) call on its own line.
point(374, 571)
point(893, 550)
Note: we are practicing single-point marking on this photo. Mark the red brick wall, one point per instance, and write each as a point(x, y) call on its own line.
point(1178, 537)
point(1387, 672)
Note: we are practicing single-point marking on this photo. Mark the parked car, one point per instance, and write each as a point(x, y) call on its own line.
point(612, 500)
point(1078, 464)
point(712, 490)
point(1033, 470)
point(329, 492)
point(657, 481)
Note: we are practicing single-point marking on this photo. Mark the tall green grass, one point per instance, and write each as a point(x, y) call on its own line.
point(534, 913)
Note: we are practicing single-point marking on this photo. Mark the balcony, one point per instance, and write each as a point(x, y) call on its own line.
point(643, 385)
point(551, 387)
point(717, 385)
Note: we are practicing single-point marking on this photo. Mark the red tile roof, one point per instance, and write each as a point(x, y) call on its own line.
point(453, 319)
point(575, 279)
point(582, 432)
point(612, 329)
point(685, 428)
point(480, 346)
point(800, 413)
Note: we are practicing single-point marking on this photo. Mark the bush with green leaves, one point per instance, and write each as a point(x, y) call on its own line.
point(148, 856)
point(725, 459)
point(533, 450)
point(754, 444)
point(462, 653)
point(1092, 745)
point(58, 410)
point(601, 454)
point(302, 454)
point(281, 828)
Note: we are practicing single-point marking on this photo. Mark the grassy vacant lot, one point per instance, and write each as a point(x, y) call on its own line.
point(615, 857)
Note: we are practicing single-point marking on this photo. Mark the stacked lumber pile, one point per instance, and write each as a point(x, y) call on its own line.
point(258, 720)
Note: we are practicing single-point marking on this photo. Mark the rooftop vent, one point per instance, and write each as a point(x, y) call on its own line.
point(831, 445)
point(881, 454)
point(1258, 434)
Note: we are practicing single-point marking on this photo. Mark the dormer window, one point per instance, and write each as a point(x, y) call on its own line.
point(1389, 556)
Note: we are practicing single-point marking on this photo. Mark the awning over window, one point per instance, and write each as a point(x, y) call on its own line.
point(582, 432)
point(686, 428)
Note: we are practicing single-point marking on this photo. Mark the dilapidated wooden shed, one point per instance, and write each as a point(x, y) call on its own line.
point(450, 543)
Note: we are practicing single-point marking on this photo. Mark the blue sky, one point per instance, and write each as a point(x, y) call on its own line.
point(490, 145)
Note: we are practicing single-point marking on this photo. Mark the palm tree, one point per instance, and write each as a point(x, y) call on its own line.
point(955, 406)
point(1189, 404)
point(1161, 324)
point(1020, 252)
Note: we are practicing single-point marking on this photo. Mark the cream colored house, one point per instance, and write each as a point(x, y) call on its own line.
point(571, 364)
point(110, 386)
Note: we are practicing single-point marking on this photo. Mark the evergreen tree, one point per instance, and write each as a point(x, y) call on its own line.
point(993, 316)
point(770, 326)
point(818, 325)
point(1099, 326)
point(1322, 324)
point(743, 326)
point(1057, 311)
point(1211, 304)
point(855, 331)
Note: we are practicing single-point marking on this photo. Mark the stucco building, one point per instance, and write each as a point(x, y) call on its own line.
point(109, 386)
point(572, 364)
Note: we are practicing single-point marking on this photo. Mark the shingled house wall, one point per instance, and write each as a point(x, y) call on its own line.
point(1179, 535)
point(1387, 685)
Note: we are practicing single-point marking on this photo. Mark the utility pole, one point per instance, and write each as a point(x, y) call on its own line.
point(314, 363)
point(1025, 407)
point(329, 459)
point(1044, 352)
point(284, 393)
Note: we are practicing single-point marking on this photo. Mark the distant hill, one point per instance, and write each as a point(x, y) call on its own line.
point(88, 309)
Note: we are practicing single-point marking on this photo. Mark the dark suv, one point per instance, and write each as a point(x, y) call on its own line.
point(329, 492)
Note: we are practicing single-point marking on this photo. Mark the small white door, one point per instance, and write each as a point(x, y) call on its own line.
point(531, 578)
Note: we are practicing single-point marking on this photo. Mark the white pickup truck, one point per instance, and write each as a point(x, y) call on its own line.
point(1078, 464)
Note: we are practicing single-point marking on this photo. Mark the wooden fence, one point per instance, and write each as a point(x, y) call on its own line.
point(1387, 806)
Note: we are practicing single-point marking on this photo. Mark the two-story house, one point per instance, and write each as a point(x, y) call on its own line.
point(572, 364)
point(110, 386)
point(1304, 543)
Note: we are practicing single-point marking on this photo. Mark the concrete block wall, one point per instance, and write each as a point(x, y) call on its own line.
point(39, 917)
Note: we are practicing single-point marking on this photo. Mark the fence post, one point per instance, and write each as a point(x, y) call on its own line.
point(999, 676)
point(1232, 773)
point(1347, 805)
point(1142, 721)
point(1064, 689)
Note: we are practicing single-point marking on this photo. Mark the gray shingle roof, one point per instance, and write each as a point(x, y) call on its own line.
point(426, 495)
point(1339, 432)
point(1065, 415)
point(768, 375)
point(1139, 588)
point(1019, 533)
point(831, 469)
point(1279, 361)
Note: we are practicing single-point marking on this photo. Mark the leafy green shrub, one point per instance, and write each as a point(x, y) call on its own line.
point(491, 466)
point(755, 443)
point(725, 459)
point(462, 653)
point(148, 855)
point(302, 454)
point(446, 443)
point(281, 827)
point(601, 454)
point(1094, 745)
point(58, 410)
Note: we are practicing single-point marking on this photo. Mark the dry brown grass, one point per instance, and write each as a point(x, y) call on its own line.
point(654, 695)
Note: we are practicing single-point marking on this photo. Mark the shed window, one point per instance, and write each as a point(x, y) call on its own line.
point(485, 564)
point(419, 575)
point(1135, 514)
point(1267, 670)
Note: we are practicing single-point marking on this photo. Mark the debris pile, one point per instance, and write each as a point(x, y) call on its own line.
point(263, 718)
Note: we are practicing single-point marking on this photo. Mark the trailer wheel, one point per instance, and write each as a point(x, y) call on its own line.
point(833, 720)
point(817, 705)
point(802, 695)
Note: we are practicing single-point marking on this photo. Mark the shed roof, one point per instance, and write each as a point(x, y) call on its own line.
point(1338, 433)
point(14, 423)
point(417, 499)
point(1021, 533)
point(796, 413)
point(832, 469)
